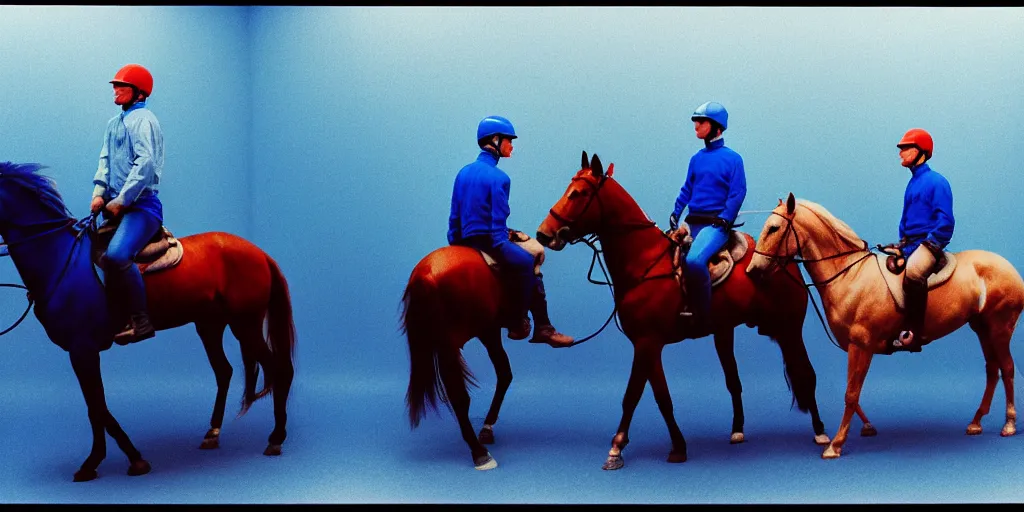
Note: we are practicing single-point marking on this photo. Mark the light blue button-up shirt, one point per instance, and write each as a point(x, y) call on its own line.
point(132, 159)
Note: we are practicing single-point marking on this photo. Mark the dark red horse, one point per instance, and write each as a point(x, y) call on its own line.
point(648, 299)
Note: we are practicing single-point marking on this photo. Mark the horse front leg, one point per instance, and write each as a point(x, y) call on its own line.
point(634, 390)
point(661, 394)
point(86, 365)
point(503, 372)
point(858, 362)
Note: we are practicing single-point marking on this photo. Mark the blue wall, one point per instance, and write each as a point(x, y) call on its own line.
point(330, 136)
point(364, 115)
point(56, 66)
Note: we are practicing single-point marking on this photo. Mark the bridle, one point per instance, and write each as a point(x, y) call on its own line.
point(778, 261)
point(59, 225)
point(592, 239)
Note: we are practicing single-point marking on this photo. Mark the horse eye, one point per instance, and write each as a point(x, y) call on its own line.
point(573, 193)
point(773, 229)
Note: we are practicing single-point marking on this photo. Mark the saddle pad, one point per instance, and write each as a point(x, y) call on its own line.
point(895, 282)
point(170, 258)
point(721, 264)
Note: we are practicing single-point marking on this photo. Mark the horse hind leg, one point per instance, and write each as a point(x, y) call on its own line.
point(503, 372)
point(803, 381)
point(454, 376)
point(249, 333)
point(664, 399)
point(212, 335)
point(724, 345)
point(998, 338)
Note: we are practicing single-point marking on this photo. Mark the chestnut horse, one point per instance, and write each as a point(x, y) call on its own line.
point(648, 299)
point(453, 296)
point(222, 281)
point(984, 291)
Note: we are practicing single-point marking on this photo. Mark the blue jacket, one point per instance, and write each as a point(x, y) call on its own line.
point(927, 210)
point(715, 183)
point(480, 201)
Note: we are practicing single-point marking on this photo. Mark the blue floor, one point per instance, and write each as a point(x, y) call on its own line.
point(349, 439)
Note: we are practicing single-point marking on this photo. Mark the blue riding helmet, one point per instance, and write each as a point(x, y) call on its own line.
point(495, 125)
point(714, 111)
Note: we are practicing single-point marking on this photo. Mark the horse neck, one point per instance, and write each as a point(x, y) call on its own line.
point(40, 261)
point(629, 240)
point(821, 241)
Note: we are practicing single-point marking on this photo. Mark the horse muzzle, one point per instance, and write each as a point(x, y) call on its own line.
point(556, 242)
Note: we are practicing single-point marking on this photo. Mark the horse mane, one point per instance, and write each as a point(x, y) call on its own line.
point(28, 175)
point(838, 226)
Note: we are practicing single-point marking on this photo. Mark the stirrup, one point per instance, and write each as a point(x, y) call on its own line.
point(899, 346)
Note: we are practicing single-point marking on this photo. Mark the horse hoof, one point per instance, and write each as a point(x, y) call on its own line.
point(1008, 431)
point(84, 475)
point(614, 462)
point(868, 430)
point(973, 430)
point(485, 463)
point(210, 443)
point(272, 450)
point(486, 436)
point(821, 440)
point(139, 467)
point(736, 438)
point(676, 457)
point(830, 453)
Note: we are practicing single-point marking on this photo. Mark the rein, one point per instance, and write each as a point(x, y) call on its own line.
point(592, 239)
point(775, 258)
point(64, 223)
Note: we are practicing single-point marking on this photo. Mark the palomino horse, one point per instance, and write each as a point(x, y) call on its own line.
point(648, 300)
point(222, 281)
point(984, 291)
point(454, 295)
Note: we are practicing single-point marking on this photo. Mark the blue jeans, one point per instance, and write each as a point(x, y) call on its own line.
point(707, 240)
point(136, 229)
point(514, 260)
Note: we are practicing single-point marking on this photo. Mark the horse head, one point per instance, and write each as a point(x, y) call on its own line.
point(580, 211)
point(777, 245)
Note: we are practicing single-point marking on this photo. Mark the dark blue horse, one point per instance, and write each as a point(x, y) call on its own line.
point(223, 281)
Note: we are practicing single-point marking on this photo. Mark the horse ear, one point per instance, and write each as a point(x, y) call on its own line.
point(595, 166)
point(611, 169)
point(586, 161)
point(790, 204)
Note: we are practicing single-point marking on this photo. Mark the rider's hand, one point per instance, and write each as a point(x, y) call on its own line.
point(96, 205)
point(115, 209)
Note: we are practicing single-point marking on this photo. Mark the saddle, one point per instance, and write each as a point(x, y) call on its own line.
point(721, 264)
point(161, 252)
point(523, 240)
point(893, 272)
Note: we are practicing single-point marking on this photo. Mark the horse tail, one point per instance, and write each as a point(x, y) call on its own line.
point(798, 371)
point(434, 365)
point(280, 335)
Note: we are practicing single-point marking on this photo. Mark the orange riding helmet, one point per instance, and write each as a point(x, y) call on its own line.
point(919, 138)
point(136, 75)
